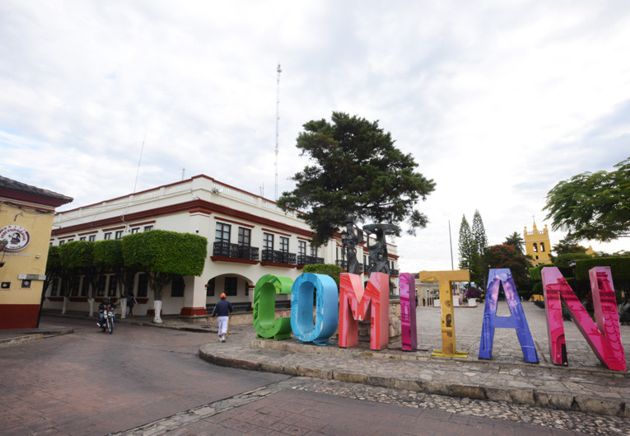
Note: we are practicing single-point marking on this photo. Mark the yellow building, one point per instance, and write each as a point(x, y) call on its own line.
point(537, 245)
point(26, 216)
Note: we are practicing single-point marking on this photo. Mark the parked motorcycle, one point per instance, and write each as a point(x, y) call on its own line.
point(106, 317)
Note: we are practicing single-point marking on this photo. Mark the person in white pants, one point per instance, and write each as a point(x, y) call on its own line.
point(222, 311)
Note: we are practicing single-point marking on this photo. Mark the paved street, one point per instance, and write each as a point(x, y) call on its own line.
point(144, 380)
point(93, 383)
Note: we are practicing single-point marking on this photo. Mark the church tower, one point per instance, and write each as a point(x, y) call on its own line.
point(537, 245)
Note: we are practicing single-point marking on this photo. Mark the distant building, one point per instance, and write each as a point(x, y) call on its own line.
point(537, 245)
point(26, 215)
point(248, 236)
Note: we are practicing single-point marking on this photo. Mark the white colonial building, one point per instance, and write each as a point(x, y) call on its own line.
point(248, 236)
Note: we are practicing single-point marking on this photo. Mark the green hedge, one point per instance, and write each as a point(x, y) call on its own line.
point(619, 266)
point(323, 268)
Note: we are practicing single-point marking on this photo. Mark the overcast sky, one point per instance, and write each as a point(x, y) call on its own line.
point(497, 102)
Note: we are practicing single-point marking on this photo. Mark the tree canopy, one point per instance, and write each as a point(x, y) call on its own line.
point(163, 254)
point(592, 205)
point(566, 246)
point(356, 170)
point(507, 256)
point(515, 240)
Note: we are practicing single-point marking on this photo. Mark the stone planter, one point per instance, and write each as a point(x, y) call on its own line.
point(472, 302)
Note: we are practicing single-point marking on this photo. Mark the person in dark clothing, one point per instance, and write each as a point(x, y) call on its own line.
point(131, 301)
point(222, 311)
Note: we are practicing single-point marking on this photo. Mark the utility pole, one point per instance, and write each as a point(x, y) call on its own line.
point(450, 243)
point(278, 70)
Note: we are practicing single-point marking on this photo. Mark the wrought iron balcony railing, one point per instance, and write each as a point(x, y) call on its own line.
point(235, 251)
point(344, 265)
point(277, 256)
point(303, 259)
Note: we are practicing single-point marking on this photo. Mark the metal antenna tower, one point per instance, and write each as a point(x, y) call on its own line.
point(278, 70)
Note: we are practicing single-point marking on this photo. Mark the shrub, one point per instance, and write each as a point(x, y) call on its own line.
point(324, 268)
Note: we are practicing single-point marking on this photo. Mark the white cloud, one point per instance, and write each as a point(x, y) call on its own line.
point(497, 103)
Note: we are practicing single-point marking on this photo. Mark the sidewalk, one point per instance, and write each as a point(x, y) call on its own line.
point(20, 336)
point(169, 322)
point(585, 385)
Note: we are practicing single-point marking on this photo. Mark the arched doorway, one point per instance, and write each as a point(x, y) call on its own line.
point(239, 290)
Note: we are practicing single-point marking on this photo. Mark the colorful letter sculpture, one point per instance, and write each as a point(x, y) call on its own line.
point(497, 278)
point(323, 289)
point(444, 279)
point(603, 337)
point(354, 303)
point(408, 332)
point(265, 322)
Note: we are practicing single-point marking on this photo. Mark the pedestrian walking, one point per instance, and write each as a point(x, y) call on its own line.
point(222, 311)
point(131, 301)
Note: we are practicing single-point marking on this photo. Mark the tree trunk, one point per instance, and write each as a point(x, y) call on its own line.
point(158, 281)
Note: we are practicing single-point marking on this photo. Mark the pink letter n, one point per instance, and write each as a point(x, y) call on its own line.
point(603, 337)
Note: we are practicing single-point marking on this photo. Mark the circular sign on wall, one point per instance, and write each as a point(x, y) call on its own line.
point(15, 237)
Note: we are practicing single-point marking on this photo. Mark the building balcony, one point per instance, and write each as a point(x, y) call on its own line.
point(303, 259)
point(344, 265)
point(278, 258)
point(225, 251)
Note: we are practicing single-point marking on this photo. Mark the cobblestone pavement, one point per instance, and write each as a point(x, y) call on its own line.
point(506, 348)
point(582, 387)
point(267, 411)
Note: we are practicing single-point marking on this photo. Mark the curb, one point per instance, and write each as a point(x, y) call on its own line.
point(528, 396)
point(23, 339)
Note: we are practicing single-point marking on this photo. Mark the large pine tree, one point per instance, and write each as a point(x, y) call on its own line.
point(479, 234)
point(466, 244)
point(357, 170)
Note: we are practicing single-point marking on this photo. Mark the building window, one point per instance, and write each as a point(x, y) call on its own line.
point(313, 251)
point(100, 286)
point(55, 287)
point(82, 238)
point(135, 230)
point(535, 248)
point(92, 238)
point(210, 288)
point(231, 284)
point(178, 286)
point(85, 286)
point(107, 236)
point(71, 239)
point(284, 244)
point(75, 284)
point(222, 233)
point(542, 247)
point(302, 248)
point(148, 228)
point(268, 241)
point(119, 234)
point(62, 242)
point(143, 285)
point(244, 237)
point(113, 285)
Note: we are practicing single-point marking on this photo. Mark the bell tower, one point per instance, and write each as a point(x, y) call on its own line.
point(537, 245)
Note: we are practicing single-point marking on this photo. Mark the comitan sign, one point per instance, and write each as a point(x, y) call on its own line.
point(340, 309)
